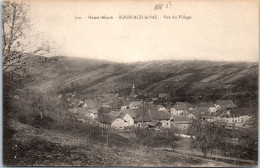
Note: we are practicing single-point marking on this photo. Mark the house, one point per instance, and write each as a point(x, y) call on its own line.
point(164, 117)
point(154, 99)
point(235, 116)
point(211, 107)
point(114, 113)
point(80, 114)
point(204, 114)
point(191, 115)
point(180, 108)
point(135, 104)
point(199, 112)
point(161, 108)
point(105, 105)
point(163, 95)
point(81, 103)
point(130, 112)
point(211, 117)
point(116, 120)
point(145, 116)
point(181, 121)
point(85, 105)
point(123, 107)
point(105, 120)
point(90, 103)
point(92, 113)
point(175, 112)
point(225, 104)
point(125, 104)
point(116, 104)
point(154, 124)
point(123, 120)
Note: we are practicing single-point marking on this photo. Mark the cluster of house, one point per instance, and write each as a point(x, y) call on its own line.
point(131, 112)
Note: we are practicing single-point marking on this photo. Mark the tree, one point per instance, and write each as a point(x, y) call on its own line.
point(207, 136)
point(20, 51)
point(249, 143)
point(170, 137)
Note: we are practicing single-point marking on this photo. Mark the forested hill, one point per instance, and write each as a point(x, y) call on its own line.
point(189, 81)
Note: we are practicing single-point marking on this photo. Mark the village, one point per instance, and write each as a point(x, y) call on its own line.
point(120, 113)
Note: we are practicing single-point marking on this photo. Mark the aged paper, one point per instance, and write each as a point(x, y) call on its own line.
point(130, 83)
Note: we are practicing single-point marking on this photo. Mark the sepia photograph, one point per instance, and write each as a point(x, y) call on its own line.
point(126, 83)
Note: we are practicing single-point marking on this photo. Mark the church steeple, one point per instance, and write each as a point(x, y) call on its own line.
point(132, 94)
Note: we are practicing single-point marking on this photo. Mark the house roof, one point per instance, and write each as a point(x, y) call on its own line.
point(153, 123)
point(130, 112)
point(147, 115)
point(78, 110)
point(205, 104)
point(225, 113)
point(79, 113)
point(212, 115)
point(114, 113)
point(182, 118)
point(91, 103)
point(226, 103)
point(161, 115)
point(143, 115)
point(241, 112)
point(107, 118)
point(136, 103)
point(163, 94)
point(126, 102)
point(116, 104)
point(182, 106)
point(94, 111)
point(200, 112)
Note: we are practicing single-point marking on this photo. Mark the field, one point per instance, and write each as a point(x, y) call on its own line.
point(41, 147)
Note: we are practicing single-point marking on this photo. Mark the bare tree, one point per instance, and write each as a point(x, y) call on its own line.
point(19, 50)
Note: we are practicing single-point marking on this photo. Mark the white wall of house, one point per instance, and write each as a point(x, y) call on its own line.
point(217, 106)
point(131, 106)
point(210, 120)
point(182, 125)
point(236, 119)
point(129, 120)
point(162, 109)
point(212, 109)
point(102, 125)
point(190, 115)
point(91, 115)
point(176, 112)
point(166, 123)
point(123, 108)
point(120, 123)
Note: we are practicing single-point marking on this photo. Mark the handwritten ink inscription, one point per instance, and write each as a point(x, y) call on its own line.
point(160, 6)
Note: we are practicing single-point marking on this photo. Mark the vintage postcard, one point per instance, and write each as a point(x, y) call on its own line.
point(126, 83)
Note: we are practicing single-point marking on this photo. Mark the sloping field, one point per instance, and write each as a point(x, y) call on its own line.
point(40, 147)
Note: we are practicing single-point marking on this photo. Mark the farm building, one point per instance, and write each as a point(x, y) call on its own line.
point(135, 105)
point(181, 108)
point(181, 121)
point(116, 120)
point(225, 104)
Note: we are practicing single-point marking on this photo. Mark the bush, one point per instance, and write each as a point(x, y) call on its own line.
point(156, 138)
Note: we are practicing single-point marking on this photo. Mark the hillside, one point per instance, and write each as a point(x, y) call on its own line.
point(190, 81)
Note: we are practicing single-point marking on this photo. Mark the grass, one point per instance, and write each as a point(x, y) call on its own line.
point(33, 146)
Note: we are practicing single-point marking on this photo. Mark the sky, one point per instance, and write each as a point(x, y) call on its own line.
point(218, 30)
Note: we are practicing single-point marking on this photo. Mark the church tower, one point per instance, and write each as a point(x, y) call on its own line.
point(132, 94)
